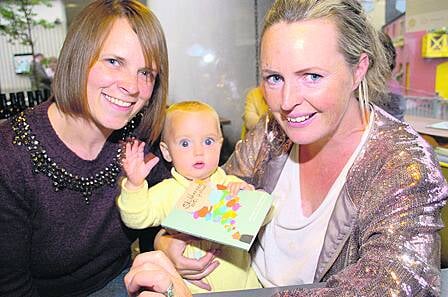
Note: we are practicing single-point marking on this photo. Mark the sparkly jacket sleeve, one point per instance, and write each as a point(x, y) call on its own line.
point(15, 223)
point(242, 162)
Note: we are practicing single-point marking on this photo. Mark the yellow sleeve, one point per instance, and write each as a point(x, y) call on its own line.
point(145, 207)
point(232, 179)
point(254, 107)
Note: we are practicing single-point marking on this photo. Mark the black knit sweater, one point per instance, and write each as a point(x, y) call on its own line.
point(51, 242)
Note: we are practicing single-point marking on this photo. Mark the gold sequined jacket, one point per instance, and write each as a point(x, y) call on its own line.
point(382, 236)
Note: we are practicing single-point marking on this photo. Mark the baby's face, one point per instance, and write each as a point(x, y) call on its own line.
point(194, 142)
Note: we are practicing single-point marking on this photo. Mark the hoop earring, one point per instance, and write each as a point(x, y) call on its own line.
point(363, 98)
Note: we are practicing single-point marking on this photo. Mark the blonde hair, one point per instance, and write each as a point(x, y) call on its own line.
point(82, 47)
point(191, 107)
point(356, 34)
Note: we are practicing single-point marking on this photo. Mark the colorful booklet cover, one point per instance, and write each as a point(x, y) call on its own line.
point(212, 213)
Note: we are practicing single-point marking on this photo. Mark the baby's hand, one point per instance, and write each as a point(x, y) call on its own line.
point(235, 187)
point(135, 165)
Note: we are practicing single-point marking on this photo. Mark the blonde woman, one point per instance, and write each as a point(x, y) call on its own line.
point(358, 194)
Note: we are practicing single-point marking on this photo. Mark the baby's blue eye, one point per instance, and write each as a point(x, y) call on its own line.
point(209, 141)
point(184, 143)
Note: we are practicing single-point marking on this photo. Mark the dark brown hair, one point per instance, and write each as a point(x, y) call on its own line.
point(391, 52)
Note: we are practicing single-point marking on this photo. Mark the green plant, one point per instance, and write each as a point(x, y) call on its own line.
point(17, 21)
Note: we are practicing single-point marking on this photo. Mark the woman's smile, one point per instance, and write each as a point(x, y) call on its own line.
point(117, 101)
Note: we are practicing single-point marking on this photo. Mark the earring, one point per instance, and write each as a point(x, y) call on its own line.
point(363, 98)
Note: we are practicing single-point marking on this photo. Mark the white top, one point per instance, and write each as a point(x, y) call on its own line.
point(291, 243)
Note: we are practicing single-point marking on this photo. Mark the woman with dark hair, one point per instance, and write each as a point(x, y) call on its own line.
point(60, 230)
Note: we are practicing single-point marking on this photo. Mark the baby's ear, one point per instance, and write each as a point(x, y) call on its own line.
point(165, 151)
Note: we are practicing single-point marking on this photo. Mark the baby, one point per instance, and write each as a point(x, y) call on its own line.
point(191, 140)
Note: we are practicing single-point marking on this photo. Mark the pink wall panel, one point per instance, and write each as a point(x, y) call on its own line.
point(422, 71)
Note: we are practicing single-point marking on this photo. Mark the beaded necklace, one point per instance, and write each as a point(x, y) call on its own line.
point(58, 175)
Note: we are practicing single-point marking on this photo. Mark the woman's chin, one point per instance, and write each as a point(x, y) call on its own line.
point(111, 125)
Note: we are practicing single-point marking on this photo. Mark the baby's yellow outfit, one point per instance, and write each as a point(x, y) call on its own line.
point(145, 207)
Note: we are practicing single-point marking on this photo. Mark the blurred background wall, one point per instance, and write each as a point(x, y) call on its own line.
point(47, 41)
point(213, 47)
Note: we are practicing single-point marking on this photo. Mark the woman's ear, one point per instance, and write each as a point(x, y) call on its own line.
point(361, 70)
point(165, 151)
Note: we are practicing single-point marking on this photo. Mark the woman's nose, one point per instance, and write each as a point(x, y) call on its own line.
point(129, 83)
point(291, 96)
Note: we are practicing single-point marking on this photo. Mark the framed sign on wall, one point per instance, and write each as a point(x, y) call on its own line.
point(22, 63)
